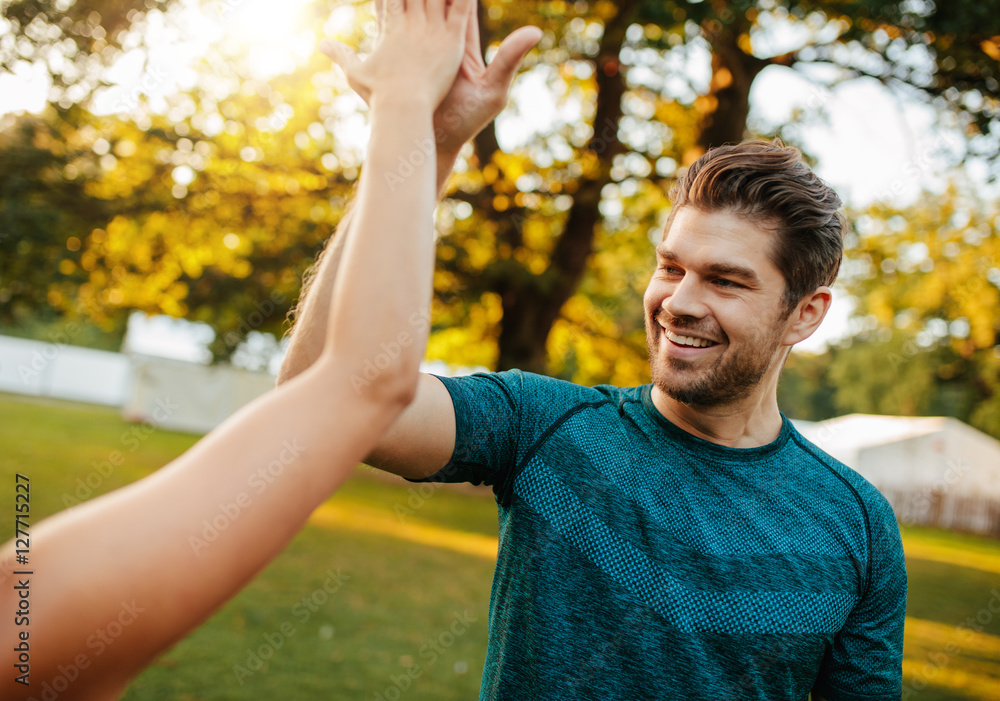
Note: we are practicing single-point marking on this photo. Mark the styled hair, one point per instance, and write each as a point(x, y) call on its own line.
point(770, 184)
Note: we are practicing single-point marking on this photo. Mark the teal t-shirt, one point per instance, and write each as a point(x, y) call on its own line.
point(639, 562)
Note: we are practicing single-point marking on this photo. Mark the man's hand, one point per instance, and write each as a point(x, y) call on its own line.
point(479, 93)
point(475, 97)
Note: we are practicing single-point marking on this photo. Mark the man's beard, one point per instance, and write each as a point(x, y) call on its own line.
point(733, 375)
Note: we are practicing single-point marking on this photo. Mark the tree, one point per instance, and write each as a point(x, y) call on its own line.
point(44, 207)
point(927, 284)
point(546, 243)
point(863, 38)
point(74, 40)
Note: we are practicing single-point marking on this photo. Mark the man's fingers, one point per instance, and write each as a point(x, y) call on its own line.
point(473, 67)
point(512, 51)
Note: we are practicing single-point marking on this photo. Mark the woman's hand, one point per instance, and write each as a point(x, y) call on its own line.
point(418, 51)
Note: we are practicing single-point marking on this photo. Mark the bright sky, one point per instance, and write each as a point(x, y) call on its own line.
point(873, 146)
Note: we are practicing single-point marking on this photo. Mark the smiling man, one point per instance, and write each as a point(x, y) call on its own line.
point(680, 540)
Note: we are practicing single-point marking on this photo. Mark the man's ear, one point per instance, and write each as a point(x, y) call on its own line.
point(808, 315)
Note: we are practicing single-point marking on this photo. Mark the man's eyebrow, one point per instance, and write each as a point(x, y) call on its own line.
point(722, 269)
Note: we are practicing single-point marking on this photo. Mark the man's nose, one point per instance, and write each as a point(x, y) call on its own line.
point(686, 299)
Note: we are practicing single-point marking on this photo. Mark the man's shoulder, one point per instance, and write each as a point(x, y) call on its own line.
point(532, 387)
point(875, 504)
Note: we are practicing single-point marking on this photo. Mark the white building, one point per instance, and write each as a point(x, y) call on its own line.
point(935, 471)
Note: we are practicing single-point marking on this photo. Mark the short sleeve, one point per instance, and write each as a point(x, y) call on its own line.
point(866, 659)
point(487, 428)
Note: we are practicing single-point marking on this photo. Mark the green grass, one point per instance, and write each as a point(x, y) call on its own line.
point(396, 601)
point(397, 596)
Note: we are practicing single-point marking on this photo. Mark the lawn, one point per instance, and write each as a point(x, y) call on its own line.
point(360, 598)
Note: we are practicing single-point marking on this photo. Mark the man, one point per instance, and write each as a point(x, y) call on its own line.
point(681, 539)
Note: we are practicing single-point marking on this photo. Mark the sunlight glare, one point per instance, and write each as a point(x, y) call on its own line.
point(274, 36)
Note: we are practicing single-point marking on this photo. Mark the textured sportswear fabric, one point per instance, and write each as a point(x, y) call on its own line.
point(639, 562)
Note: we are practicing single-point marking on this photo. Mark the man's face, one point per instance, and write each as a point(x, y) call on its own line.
point(715, 321)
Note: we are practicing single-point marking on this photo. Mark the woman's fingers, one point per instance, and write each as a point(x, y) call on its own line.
point(395, 11)
point(459, 13)
point(349, 63)
point(473, 66)
point(341, 54)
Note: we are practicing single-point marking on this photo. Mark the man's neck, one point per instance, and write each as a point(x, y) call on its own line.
point(749, 423)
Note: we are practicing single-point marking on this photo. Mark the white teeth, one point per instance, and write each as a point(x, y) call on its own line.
point(687, 340)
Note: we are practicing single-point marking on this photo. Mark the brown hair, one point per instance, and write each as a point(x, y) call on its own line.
point(769, 182)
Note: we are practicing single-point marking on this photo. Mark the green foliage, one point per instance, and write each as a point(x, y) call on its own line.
point(804, 389)
point(927, 283)
point(44, 210)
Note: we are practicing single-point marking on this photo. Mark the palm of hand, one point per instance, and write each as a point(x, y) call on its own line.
point(471, 104)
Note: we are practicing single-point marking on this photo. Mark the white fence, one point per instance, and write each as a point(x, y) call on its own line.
point(63, 372)
point(177, 395)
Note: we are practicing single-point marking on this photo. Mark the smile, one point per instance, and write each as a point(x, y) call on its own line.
point(688, 340)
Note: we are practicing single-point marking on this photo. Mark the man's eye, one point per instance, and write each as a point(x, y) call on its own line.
point(722, 282)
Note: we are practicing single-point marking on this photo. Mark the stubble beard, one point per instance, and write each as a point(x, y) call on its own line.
point(731, 377)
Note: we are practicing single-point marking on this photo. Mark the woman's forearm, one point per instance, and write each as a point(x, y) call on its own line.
point(393, 234)
point(167, 551)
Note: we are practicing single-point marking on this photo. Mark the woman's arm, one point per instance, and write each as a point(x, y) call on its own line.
point(140, 553)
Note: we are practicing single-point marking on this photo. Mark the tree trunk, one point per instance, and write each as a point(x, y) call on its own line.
point(727, 105)
point(531, 303)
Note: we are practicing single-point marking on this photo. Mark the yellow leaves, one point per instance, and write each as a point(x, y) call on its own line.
point(479, 247)
point(605, 9)
point(691, 155)
point(538, 234)
point(721, 79)
point(590, 163)
point(513, 166)
point(943, 262)
point(991, 47)
point(490, 173)
point(706, 104)
point(536, 263)
point(473, 343)
point(744, 43)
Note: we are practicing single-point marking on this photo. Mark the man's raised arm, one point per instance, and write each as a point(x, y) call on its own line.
point(423, 438)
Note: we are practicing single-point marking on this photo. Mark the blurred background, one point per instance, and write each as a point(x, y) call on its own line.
point(169, 169)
